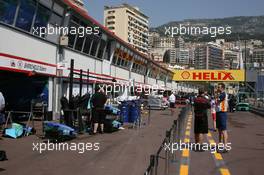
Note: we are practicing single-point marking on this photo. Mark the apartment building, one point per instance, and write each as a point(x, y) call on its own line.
point(151, 38)
point(231, 59)
point(128, 23)
point(168, 42)
point(179, 43)
point(209, 56)
point(258, 58)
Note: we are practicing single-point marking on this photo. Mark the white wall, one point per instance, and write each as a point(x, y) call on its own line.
point(82, 62)
point(151, 81)
point(26, 46)
point(122, 73)
point(174, 85)
point(137, 77)
point(112, 71)
point(160, 83)
point(169, 85)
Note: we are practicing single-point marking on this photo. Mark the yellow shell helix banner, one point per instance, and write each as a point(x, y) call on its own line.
point(209, 75)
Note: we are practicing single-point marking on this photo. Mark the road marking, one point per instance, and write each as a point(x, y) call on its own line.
point(211, 141)
point(218, 158)
point(186, 140)
point(185, 153)
point(185, 156)
point(184, 170)
point(224, 171)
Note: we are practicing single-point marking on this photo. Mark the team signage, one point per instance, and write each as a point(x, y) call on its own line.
point(19, 64)
point(209, 75)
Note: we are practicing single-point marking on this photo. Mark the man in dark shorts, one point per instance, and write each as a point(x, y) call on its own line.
point(98, 101)
point(201, 105)
point(221, 114)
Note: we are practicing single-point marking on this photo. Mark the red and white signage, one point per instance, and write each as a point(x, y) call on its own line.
point(14, 63)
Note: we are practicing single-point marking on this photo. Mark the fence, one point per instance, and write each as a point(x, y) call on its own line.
point(256, 104)
point(172, 135)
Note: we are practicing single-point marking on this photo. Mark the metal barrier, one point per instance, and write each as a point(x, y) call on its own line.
point(257, 110)
point(172, 135)
point(29, 116)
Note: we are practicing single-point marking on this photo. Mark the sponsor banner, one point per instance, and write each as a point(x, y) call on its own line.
point(26, 65)
point(209, 75)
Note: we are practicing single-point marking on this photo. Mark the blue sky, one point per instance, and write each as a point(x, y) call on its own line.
point(163, 11)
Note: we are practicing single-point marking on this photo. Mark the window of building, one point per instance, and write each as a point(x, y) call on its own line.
point(87, 44)
point(125, 63)
point(94, 47)
point(79, 43)
point(133, 66)
point(8, 11)
point(110, 23)
point(53, 37)
point(111, 17)
point(72, 35)
point(110, 12)
point(26, 14)
point(108, 51)
point(114, 59)
point(80, 38)
point(75, 19)
point(122, 63)
point(118, 61)
point(101, 49)
point(46, 3)
point(55, 19)
point(42, 19)
point(58, 9)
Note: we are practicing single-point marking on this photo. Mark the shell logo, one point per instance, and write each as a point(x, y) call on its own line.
point(185, 75)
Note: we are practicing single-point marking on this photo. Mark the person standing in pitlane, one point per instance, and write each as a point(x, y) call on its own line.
point(98, 101)
point(221, 116)
point(201, 105)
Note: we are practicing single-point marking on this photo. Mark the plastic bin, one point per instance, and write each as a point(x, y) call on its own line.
point(124, 111)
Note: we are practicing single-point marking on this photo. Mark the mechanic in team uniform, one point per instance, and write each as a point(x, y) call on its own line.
point(221, 114)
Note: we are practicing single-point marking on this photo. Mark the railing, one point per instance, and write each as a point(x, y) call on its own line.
point(256, 106)
point(172, 135)
point(257, 110)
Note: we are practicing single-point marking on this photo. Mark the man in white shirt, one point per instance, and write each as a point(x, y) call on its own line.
point(2, 107)
point(2, 102)
point(172, 100)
